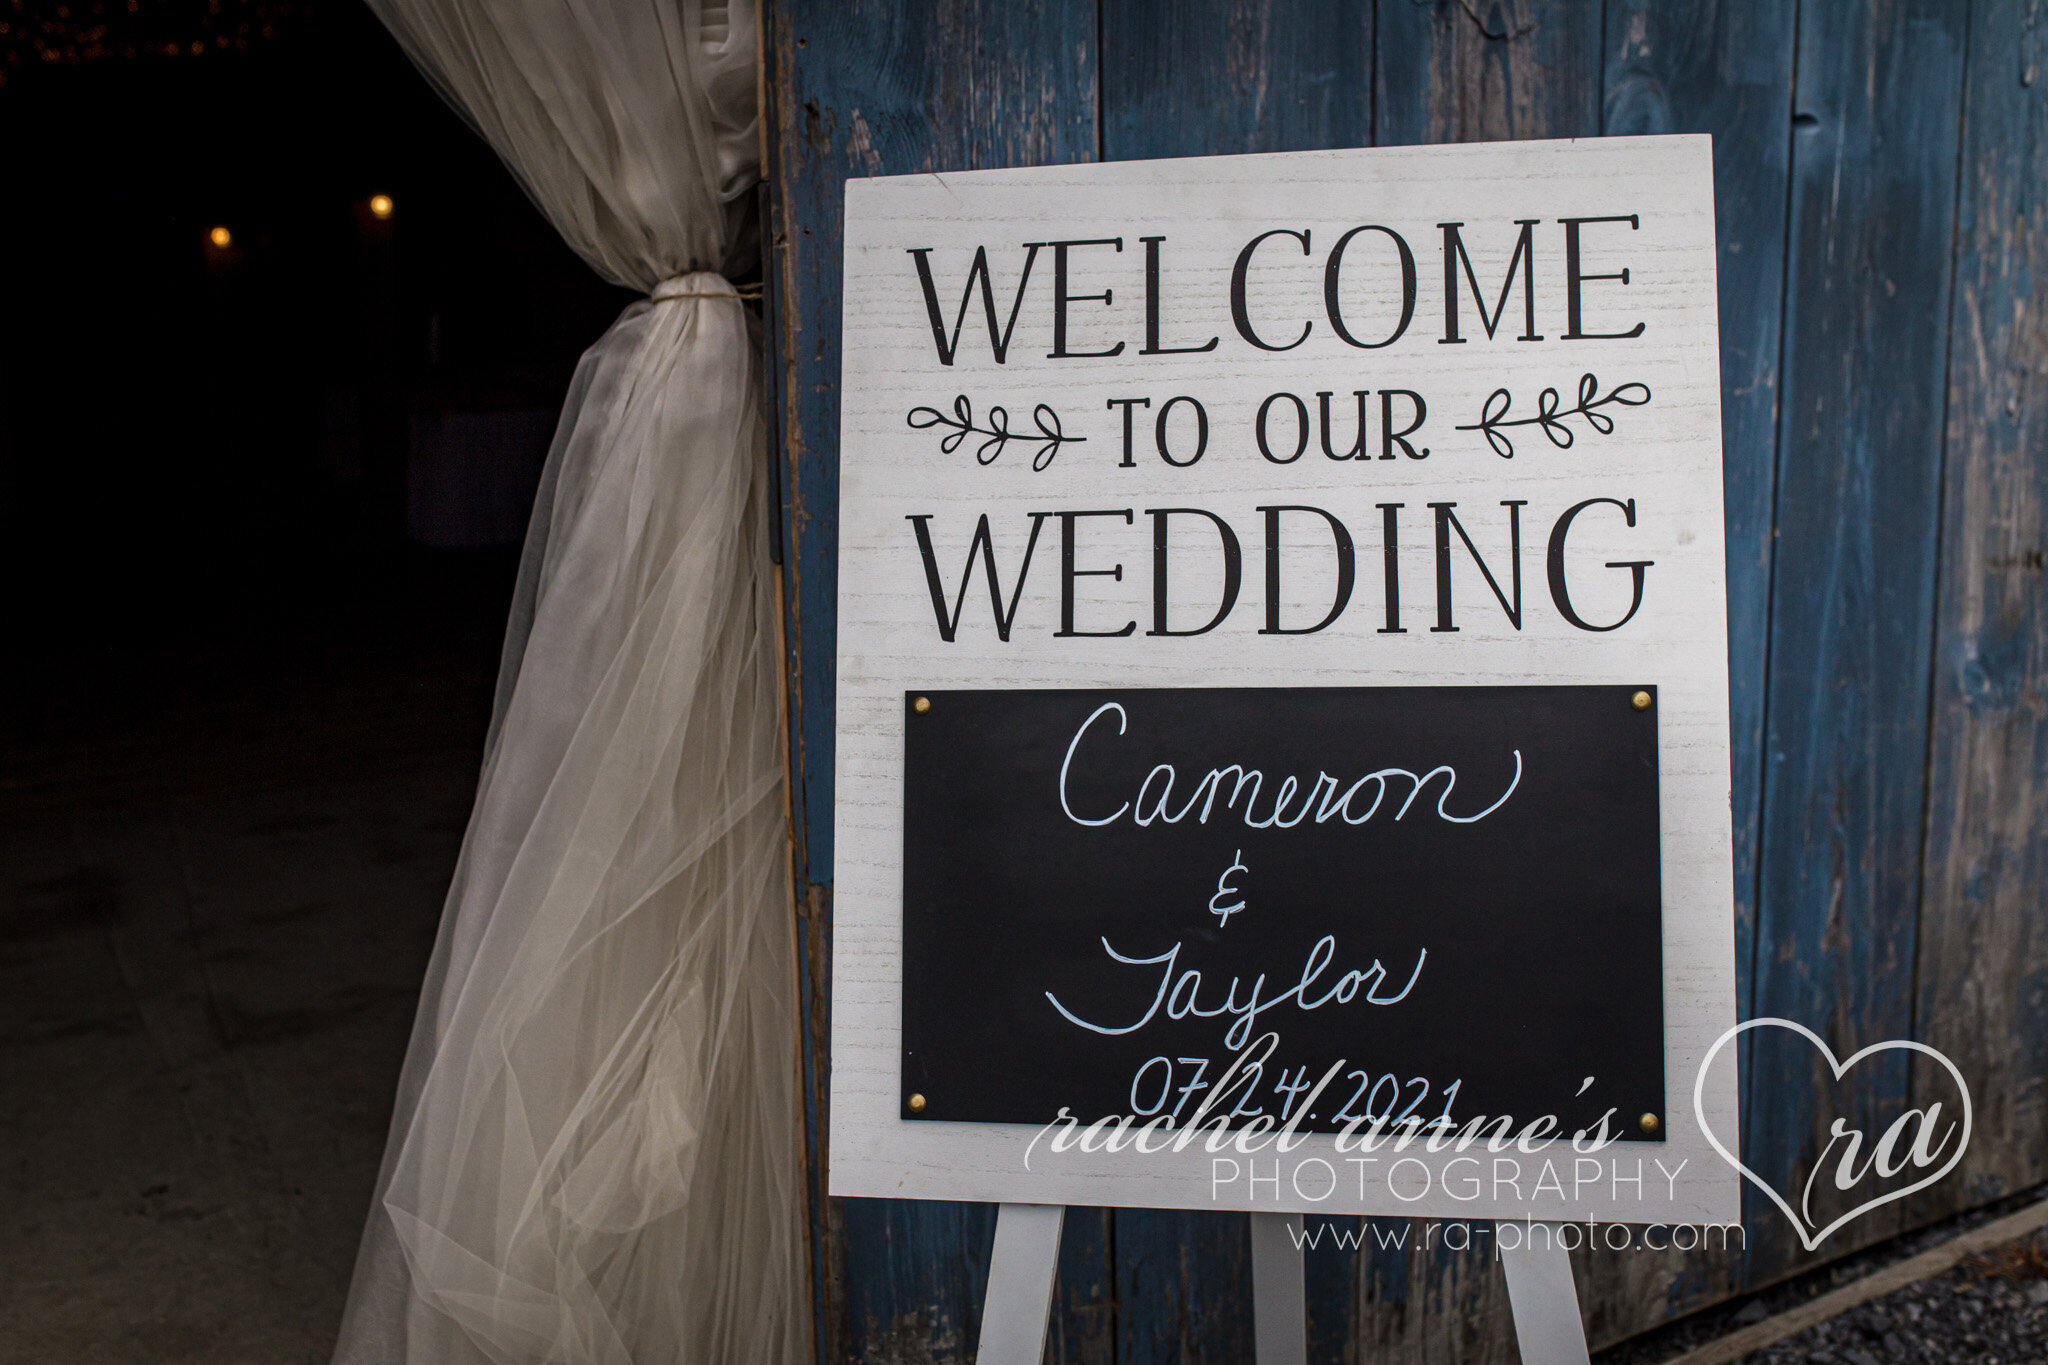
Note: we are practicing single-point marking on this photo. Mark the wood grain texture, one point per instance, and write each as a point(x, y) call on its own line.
point(1184, 1284)
point(918, 1274)
point(1487, 70)
point(1219, 76)
point(1983, 967)
point(1084, 1315)
point(864, 89)
point(1859, 480)
point(1421, 1304)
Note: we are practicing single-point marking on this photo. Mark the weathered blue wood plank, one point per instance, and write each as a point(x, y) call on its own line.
point(916, 1274)
point(869, 88)
point(1859, 481)
point(1084, 1297)
point(1983, 996)
point(1206, 77)
point(1725, 69)
point(917, 1277)
point(1398, 1294)
point(1330, 1269)
point(1183, 1288)
point(1487, 70)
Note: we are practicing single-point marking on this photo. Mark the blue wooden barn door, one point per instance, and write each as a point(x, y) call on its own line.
point(1879, 187)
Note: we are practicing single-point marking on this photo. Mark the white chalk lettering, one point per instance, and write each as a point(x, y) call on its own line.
point(1326, 797)
point(1178, 993)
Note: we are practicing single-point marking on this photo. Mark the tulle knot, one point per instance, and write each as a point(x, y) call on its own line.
point(702, 284)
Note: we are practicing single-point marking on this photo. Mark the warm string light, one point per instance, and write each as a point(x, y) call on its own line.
point(381, 208)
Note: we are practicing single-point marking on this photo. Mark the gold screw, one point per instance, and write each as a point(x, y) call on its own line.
point(1641, 701)
point(1648, 1122)
point(917, 1101)
point(921, 705)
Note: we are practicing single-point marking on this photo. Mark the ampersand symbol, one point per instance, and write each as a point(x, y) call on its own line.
point(1224, 888)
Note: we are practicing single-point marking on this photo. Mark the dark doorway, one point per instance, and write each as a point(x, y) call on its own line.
point(281, 343)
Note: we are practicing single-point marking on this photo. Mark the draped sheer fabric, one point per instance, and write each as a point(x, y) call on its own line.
point(594, 1153)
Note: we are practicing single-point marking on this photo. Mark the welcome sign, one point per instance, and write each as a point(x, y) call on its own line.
point(1282, 705)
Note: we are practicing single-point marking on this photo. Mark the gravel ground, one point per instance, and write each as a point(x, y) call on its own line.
point(1991, 1310)
point(1976, 1313)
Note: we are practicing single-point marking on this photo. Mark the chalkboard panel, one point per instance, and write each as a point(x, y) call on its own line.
point(1454, 890)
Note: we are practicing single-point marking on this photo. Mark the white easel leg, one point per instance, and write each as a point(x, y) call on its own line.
point(1020, 1276)
point(1546, 1308)
point(1279, 1290)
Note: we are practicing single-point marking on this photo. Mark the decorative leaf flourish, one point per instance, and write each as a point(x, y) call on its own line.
point(997, 429)
point(1494, 414)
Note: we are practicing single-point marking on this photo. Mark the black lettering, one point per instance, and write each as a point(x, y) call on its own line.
point(1574, 277)
point(1357, 451)
point(1068, 573)
point(984, 544)
point(1390, 550)
point(1558, 592)
point(998, 342)
point(1333, 305)
point(1128, 462)
point(1061, 298)
point(1446, 522)
point(1201, 432)
point(1300, 428)
point(1347, 571)
point(1525, 256)
point(1152, 346)
point(1389, 437)
point(1233, 568)
point(1240, 309)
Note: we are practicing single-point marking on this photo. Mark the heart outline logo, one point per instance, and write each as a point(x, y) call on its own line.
point(1699, 1110)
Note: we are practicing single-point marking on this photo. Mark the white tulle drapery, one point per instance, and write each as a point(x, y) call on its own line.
point(594, 1155)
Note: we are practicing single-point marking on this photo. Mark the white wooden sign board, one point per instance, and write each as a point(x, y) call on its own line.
point(1644, 205)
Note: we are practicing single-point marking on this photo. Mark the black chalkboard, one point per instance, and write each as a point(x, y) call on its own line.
point(1493, 849)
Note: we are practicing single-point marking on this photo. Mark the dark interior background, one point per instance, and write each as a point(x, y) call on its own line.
point(259, 514)
point(197, 440)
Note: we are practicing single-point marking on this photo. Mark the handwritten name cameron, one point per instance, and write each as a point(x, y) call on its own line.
point(1326, 798)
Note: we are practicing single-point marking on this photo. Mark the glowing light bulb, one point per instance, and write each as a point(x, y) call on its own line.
point(380, 206)
point(220, 237)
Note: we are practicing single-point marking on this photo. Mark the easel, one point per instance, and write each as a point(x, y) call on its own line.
point(1020, 1282)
